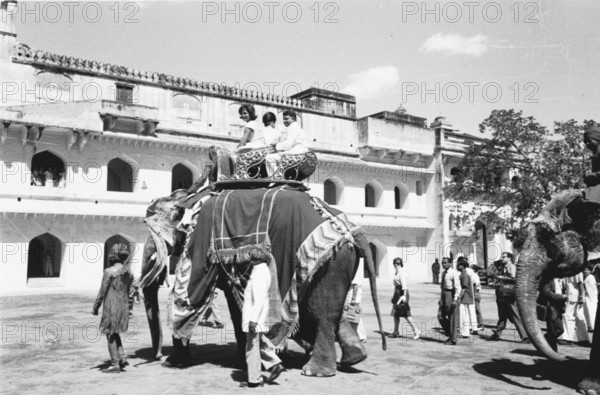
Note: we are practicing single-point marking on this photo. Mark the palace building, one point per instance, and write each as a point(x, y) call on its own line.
point(85, 146)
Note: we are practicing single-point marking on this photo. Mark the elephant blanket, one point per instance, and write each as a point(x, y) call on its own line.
point(292, 231)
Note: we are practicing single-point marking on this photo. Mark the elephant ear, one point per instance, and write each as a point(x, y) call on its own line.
point(556, 215)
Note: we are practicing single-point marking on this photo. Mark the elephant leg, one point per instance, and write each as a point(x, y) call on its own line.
point(321, 312)
point(322, 360)
point(353, 351)
point(153, 315)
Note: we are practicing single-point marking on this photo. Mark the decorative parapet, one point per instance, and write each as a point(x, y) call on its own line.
point(24, 54)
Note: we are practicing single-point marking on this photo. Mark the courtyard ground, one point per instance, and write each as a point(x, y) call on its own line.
point(50, 344)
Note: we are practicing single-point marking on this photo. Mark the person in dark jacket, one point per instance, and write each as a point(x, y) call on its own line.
point(554, 300)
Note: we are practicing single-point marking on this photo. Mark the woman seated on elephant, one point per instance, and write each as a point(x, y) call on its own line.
point(253, 136)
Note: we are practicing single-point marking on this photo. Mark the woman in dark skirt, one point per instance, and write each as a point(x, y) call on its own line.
point(400, 306)
point(114, 294)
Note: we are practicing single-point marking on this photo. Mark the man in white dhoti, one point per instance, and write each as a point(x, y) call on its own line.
point(573, 318)
point(254, 314)
point(590, 300)
point(291, 141)
point(355, 296)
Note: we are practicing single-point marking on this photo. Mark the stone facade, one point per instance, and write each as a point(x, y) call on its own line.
point(469, 228)
point(105, 140)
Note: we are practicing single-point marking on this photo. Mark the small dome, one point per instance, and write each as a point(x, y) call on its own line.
point(400, 110)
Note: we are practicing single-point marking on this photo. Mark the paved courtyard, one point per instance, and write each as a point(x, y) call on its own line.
point(50, 344)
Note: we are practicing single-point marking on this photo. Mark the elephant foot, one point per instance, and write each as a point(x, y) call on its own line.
point(314, 369)
point(308, 372)
point(351, 355)
point(589, 386)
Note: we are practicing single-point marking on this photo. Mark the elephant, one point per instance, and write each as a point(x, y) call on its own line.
point(558, 243)
point(162, 217)
point(294, 224)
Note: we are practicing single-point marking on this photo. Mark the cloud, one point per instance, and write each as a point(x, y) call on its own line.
point(455, 44)
point(372, 83)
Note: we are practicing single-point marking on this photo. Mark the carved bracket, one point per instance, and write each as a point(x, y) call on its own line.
point(4, 131)
point(82, 140)
point(364, 151)
point(109, 121)
point(71, 138)
point(382, 153)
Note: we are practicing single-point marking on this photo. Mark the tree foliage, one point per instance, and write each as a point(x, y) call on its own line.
point(522, 166)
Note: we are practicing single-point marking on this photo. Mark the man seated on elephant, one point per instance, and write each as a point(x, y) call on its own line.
point(255, 311)
point(291, 141)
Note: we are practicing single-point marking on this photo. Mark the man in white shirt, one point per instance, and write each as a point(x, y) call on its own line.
point(449, 314)
point(477, 293)
point(254, 314)
point(355, 296)
point(292, 140)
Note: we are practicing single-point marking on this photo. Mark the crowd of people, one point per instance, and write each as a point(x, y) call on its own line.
point(567, 305)
point(43, 176)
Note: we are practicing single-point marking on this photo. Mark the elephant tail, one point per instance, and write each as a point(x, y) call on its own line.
point(363, 245)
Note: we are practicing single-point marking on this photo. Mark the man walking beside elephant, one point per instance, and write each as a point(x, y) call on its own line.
point(505, 299)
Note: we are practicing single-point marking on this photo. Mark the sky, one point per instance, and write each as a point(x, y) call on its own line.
point(457, 59)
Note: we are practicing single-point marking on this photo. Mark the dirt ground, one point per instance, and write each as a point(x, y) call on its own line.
point(50, 344)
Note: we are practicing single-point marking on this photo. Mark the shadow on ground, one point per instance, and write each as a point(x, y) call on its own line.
point(567, 373)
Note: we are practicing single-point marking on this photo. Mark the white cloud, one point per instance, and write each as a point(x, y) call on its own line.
point(372, 83)
point(455, 44)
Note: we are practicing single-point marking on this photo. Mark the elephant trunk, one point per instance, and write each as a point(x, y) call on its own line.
point(530, 268)
point(363, 245)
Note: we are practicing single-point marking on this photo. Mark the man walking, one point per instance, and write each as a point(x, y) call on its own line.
point(435, 270)
point(477, 293)
point(448, 313)
point(505, 299)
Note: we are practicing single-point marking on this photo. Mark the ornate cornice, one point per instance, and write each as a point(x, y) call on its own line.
point(24, 54)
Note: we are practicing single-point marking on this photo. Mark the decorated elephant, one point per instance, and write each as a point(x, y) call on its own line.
point(559, 243)
point(313, 253)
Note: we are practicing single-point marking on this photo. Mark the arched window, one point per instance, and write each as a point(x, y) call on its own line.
point(329, 192)
point(181, 177)
point(44, 256)
point(400, 196)
point(373, 191)
point(120, 176)
point(47, 169)
point(117, 243)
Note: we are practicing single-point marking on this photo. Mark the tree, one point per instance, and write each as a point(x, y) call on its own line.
point(522, 166)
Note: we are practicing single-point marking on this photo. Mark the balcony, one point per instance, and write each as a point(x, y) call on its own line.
point(128, 118)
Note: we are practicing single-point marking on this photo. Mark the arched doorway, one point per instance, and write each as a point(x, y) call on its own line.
point(44, 256)
point(117, 243)
point(47, 169)
point(120, 176)
point(181, 177)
